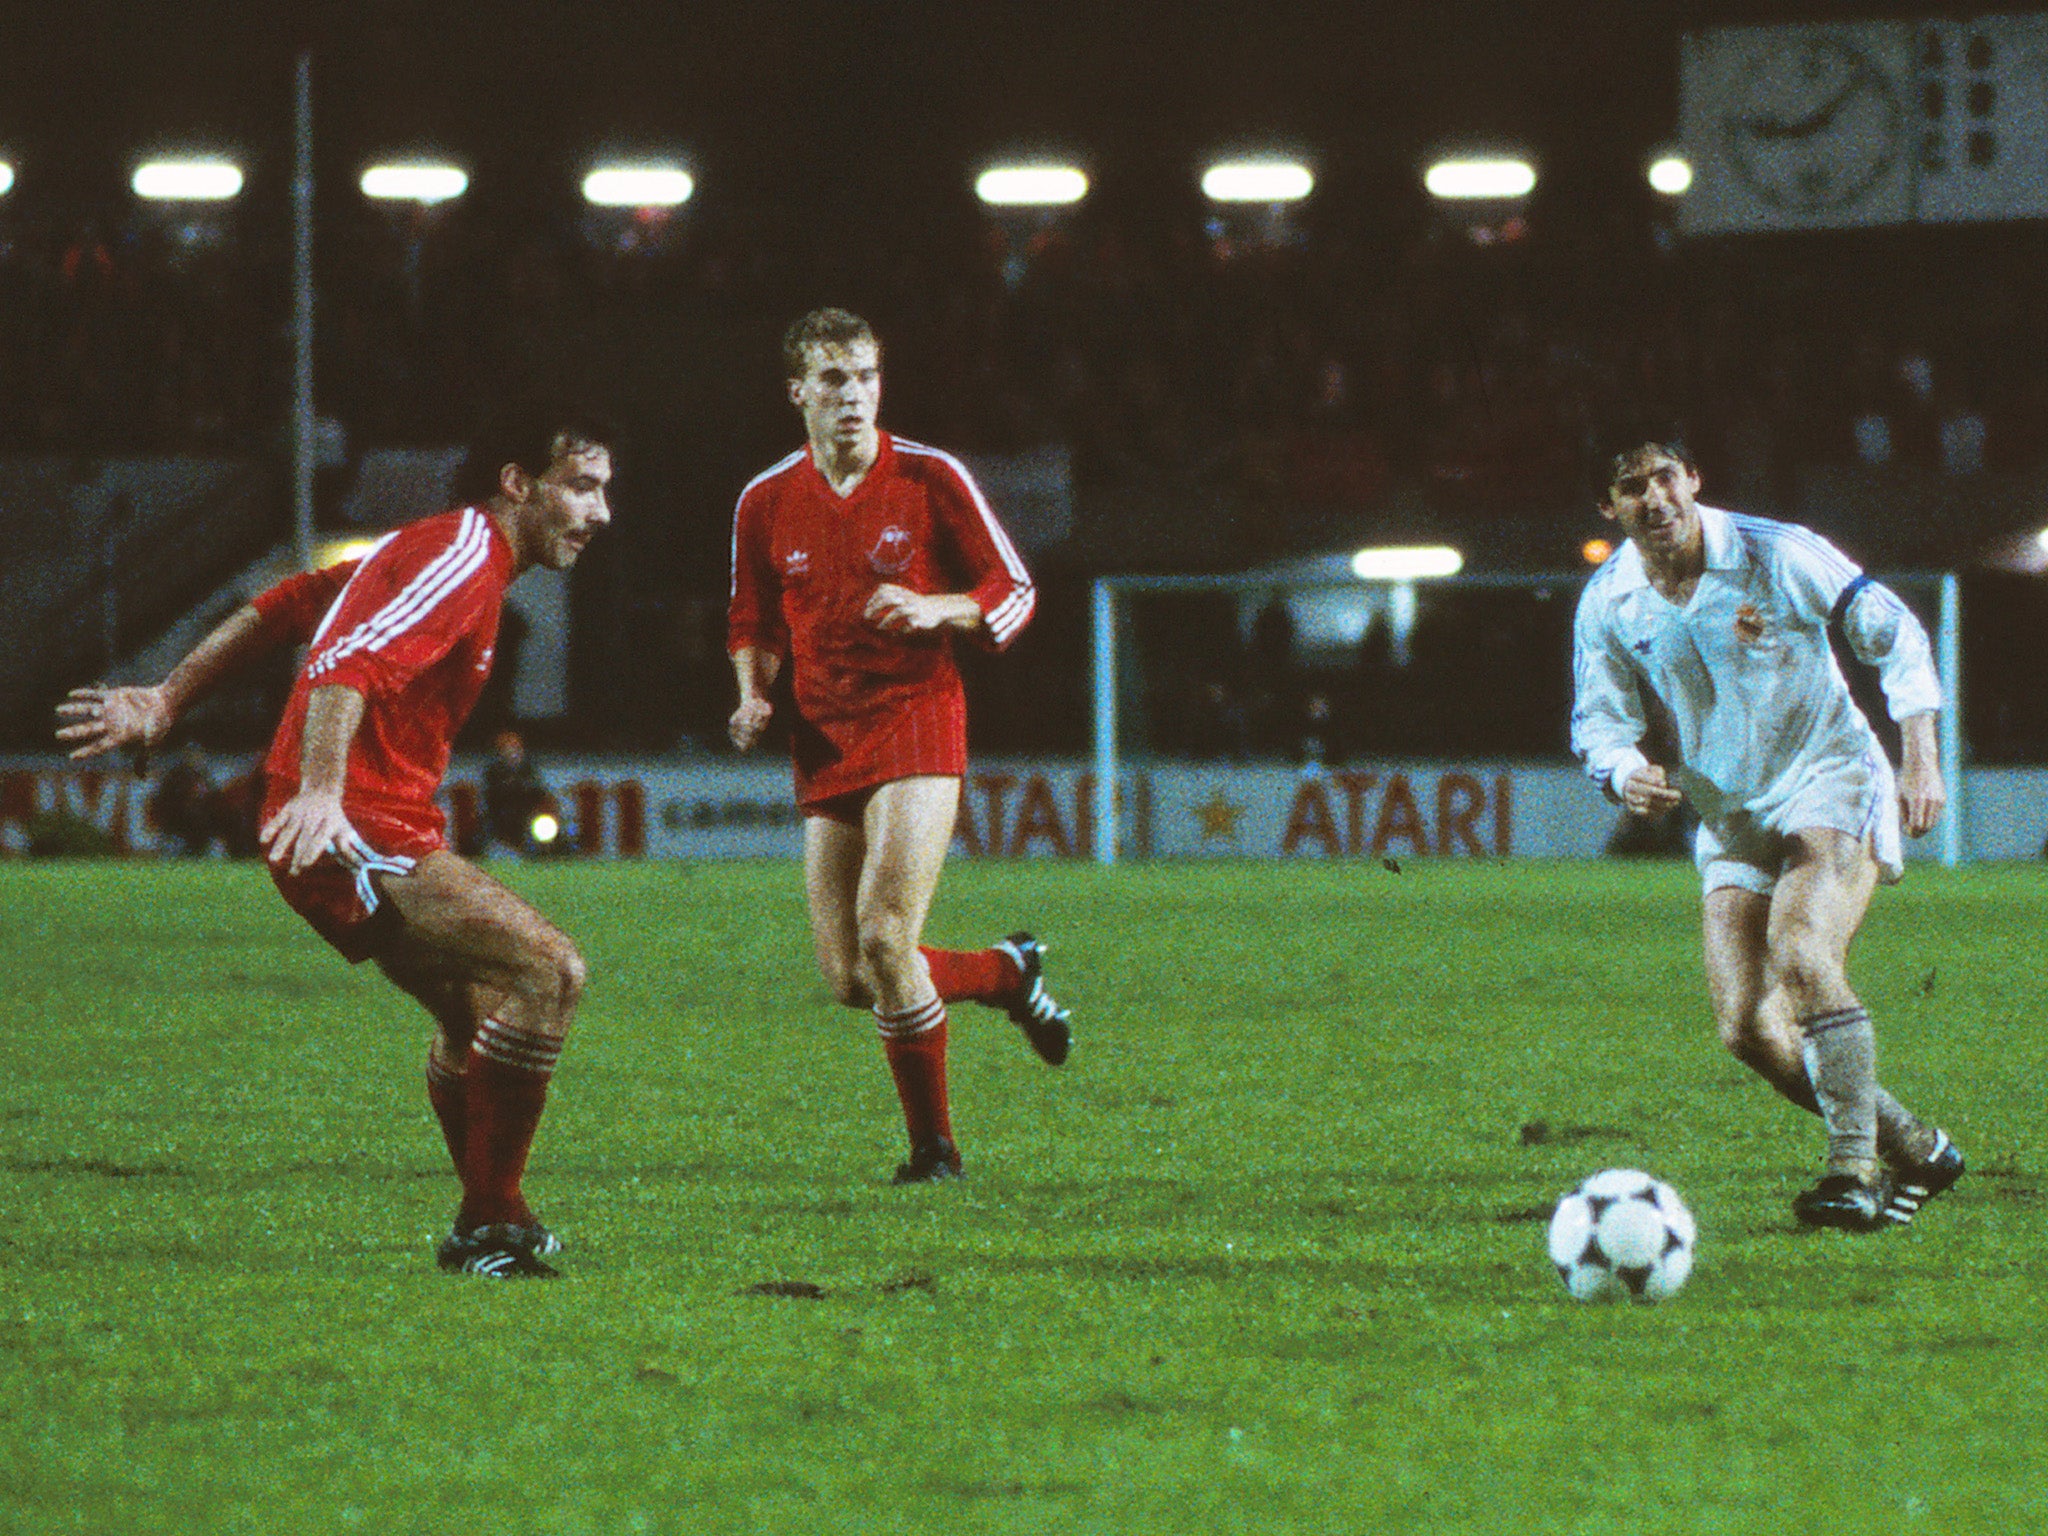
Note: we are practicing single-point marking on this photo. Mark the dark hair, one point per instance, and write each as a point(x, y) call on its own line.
point(532, 435)
point(1621, 448)
point(822, 328)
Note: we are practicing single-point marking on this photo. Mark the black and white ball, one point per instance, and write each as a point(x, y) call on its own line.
point(1622, 1235)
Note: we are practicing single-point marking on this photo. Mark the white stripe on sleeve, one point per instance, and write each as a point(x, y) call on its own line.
point(1005, 550)
point(444, 574)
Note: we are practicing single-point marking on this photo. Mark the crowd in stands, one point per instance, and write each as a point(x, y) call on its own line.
point(1338, 362)
point(1312, 364)
point(144, 337)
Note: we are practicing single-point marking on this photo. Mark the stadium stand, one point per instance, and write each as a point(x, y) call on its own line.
point(1216, 403)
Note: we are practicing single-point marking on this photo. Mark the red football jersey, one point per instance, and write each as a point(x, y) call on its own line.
point(412, 628)
point(871, 705)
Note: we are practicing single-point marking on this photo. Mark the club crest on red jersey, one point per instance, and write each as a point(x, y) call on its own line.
point(893, 551)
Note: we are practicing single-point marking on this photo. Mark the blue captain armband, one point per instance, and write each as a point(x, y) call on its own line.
point(1840, 611)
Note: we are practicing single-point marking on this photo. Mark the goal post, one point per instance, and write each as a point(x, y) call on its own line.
point(1115, 597)
point(1948, 656)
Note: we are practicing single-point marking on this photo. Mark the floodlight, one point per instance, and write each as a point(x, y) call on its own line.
point(1595, 551)
point(187, 181)
point(1671, 175)
point(415, 183)
point(1257, 181)
point(638, 186)
point(1480, 179)
point(1031, 186)
point(545, 828)
point(6, 177)
point(1406, 562)
point(2041, 539)
point(338, 550)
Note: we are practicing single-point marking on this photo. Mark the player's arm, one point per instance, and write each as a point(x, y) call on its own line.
point(755, 669)
point(1882, 632)
point(1608, 724)
point(102, 719)
point(311, 824)
point(901, 611)
point(1873, 621)
point(756, 637)
point(999, 597)
point(1922, 794)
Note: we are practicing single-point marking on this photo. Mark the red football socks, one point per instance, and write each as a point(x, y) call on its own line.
point(915, 1043)
point(506, 1087)
point(445, 1092)
point(971, 975)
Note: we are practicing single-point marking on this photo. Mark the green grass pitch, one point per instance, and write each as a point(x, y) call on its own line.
point(1265, 1256)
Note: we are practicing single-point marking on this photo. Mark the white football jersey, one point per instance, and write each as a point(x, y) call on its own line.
point(1743, 669)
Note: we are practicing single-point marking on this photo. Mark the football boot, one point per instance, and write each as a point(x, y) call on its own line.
point(1048, 1026)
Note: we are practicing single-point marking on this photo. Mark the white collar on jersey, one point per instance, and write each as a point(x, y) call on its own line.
point(1723, 550)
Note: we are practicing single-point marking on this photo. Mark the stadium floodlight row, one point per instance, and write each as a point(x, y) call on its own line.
point(665, 184)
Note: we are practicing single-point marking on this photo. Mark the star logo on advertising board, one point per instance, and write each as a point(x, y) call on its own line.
point(1219, 816)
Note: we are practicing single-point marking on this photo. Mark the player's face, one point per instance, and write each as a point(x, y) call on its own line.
point(1653, 501)
point(565, 508)
point(840, 393)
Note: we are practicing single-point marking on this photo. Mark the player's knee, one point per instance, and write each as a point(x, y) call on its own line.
point(571, 975)
point(1745, 1037)
point(886, 942)
point(450, 1046)
point(1741, 1022)
point(839, 964)
point(850, 988)
point(1808, 974)
point(1738, 1028)
point(556, 975)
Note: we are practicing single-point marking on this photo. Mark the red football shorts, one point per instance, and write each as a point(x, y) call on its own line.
point(330, 895)
point(838, 760)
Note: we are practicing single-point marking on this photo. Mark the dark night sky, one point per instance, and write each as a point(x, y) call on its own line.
point(797, 89)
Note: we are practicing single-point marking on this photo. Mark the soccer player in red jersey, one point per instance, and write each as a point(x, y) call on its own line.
point(855, 560)
point(400, 645)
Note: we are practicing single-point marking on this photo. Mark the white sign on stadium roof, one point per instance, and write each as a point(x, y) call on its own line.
point(1865, 124)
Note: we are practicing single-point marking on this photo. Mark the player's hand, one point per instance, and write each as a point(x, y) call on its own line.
point(307, 828)
point(901, 611)
point(102, 719)
point(748, 722)
point(1922, 797)
point(1649, 792)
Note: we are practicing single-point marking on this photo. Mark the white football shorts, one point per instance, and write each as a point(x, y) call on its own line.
point(1856, 795)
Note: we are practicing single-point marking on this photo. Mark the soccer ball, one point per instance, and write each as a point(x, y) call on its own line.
point(1622, 1234)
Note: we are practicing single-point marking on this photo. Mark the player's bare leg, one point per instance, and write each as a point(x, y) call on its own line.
point(1009, 975)
point(460, 924)
point(870, 889)
point(458, 928)
point(1736, 924)
point(833, 854)
point(1819, 902)
point(908, 826)
point(1757, 1024)
point(458, 1007)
